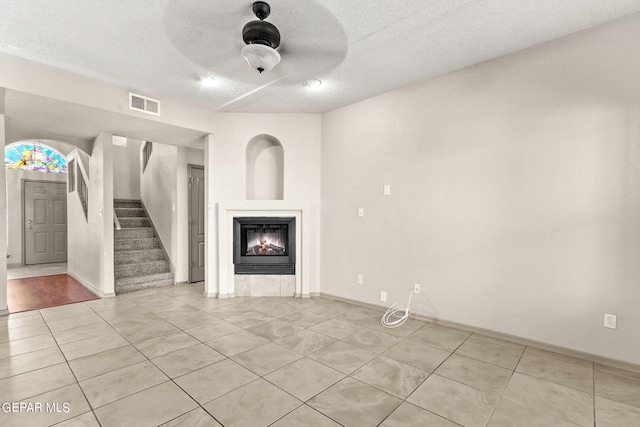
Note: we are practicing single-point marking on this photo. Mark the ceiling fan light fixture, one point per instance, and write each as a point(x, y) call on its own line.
point(261, 57)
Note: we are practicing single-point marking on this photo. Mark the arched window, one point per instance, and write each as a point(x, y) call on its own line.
point(34, 156)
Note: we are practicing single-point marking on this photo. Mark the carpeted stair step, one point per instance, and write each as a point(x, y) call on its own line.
point(139, 261)
point(130, 212)
point(134, 222)
point(132, 257)
point(133, 233)
point(137, 283)
point(141, 268)
point(126, 203)
point(135, 244)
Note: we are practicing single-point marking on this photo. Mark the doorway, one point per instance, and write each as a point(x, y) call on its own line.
point(42, 281)
point(45, 222)
point(196, 224)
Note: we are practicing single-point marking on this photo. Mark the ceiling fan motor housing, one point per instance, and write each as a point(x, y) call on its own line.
point(261, 32)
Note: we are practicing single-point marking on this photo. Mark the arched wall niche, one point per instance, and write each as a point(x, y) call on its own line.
point(264, 169)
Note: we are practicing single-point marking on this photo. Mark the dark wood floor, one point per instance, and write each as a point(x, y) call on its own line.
point(34, 293)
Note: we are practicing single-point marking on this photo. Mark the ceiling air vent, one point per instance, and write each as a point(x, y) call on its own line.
point(144, 104)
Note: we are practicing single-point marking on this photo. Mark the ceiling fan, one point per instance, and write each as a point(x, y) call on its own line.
point(261, 39)
point(309, 38)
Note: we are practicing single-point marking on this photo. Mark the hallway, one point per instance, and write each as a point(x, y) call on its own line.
point(35, 270)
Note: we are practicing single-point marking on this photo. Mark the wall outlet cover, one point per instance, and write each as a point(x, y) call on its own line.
point(610, 321)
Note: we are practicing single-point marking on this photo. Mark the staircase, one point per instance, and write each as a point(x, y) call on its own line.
point(139, 259)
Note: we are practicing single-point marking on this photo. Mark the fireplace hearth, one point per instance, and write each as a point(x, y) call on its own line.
point(264, 245)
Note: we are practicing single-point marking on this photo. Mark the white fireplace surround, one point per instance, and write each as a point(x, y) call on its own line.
point(271, 208)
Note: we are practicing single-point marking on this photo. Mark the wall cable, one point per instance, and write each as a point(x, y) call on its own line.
point(397, 313)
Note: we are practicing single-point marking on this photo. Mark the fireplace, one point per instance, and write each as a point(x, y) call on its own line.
point(264, 245)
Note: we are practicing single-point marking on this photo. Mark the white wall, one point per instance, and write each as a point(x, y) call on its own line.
point(225, 152)
point(164, 185)
point(107, 272)
point(515, 194)
point(3, 219)
point(264, 165)
point(126, 170)
point(15, 202)
point(186, 157)
point(90, 239)
point(34, 78)
point(158, 193)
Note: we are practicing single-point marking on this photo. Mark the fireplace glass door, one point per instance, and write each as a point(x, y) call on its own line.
point(264, 245)
point(264, 239)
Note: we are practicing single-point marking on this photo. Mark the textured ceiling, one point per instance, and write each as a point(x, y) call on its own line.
point(358, 49)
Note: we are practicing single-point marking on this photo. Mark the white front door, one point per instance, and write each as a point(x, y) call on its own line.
point(45, 222)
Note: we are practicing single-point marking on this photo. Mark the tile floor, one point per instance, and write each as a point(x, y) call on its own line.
point(172, 357)
point(35, 270)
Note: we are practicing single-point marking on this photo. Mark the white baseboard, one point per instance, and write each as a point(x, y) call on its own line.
point(507, 337)
point(90, 287)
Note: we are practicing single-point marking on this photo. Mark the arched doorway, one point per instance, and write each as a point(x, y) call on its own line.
point(36, 174)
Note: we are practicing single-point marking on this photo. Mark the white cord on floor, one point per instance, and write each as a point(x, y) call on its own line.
point(397, 314)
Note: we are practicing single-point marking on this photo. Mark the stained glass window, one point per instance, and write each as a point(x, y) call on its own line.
point(34, 157)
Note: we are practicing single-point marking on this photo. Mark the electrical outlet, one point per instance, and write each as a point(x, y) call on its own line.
point(416, 288)
point(360, 212)
point(359, 279)
point(383, 296)
point(386, 190)
point(609, 321)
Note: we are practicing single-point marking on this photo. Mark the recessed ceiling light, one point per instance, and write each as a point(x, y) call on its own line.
point(206, 81)
point(312, 83)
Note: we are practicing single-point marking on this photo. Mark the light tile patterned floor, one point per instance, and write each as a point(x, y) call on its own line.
point(34, 270)
point(172, 357)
